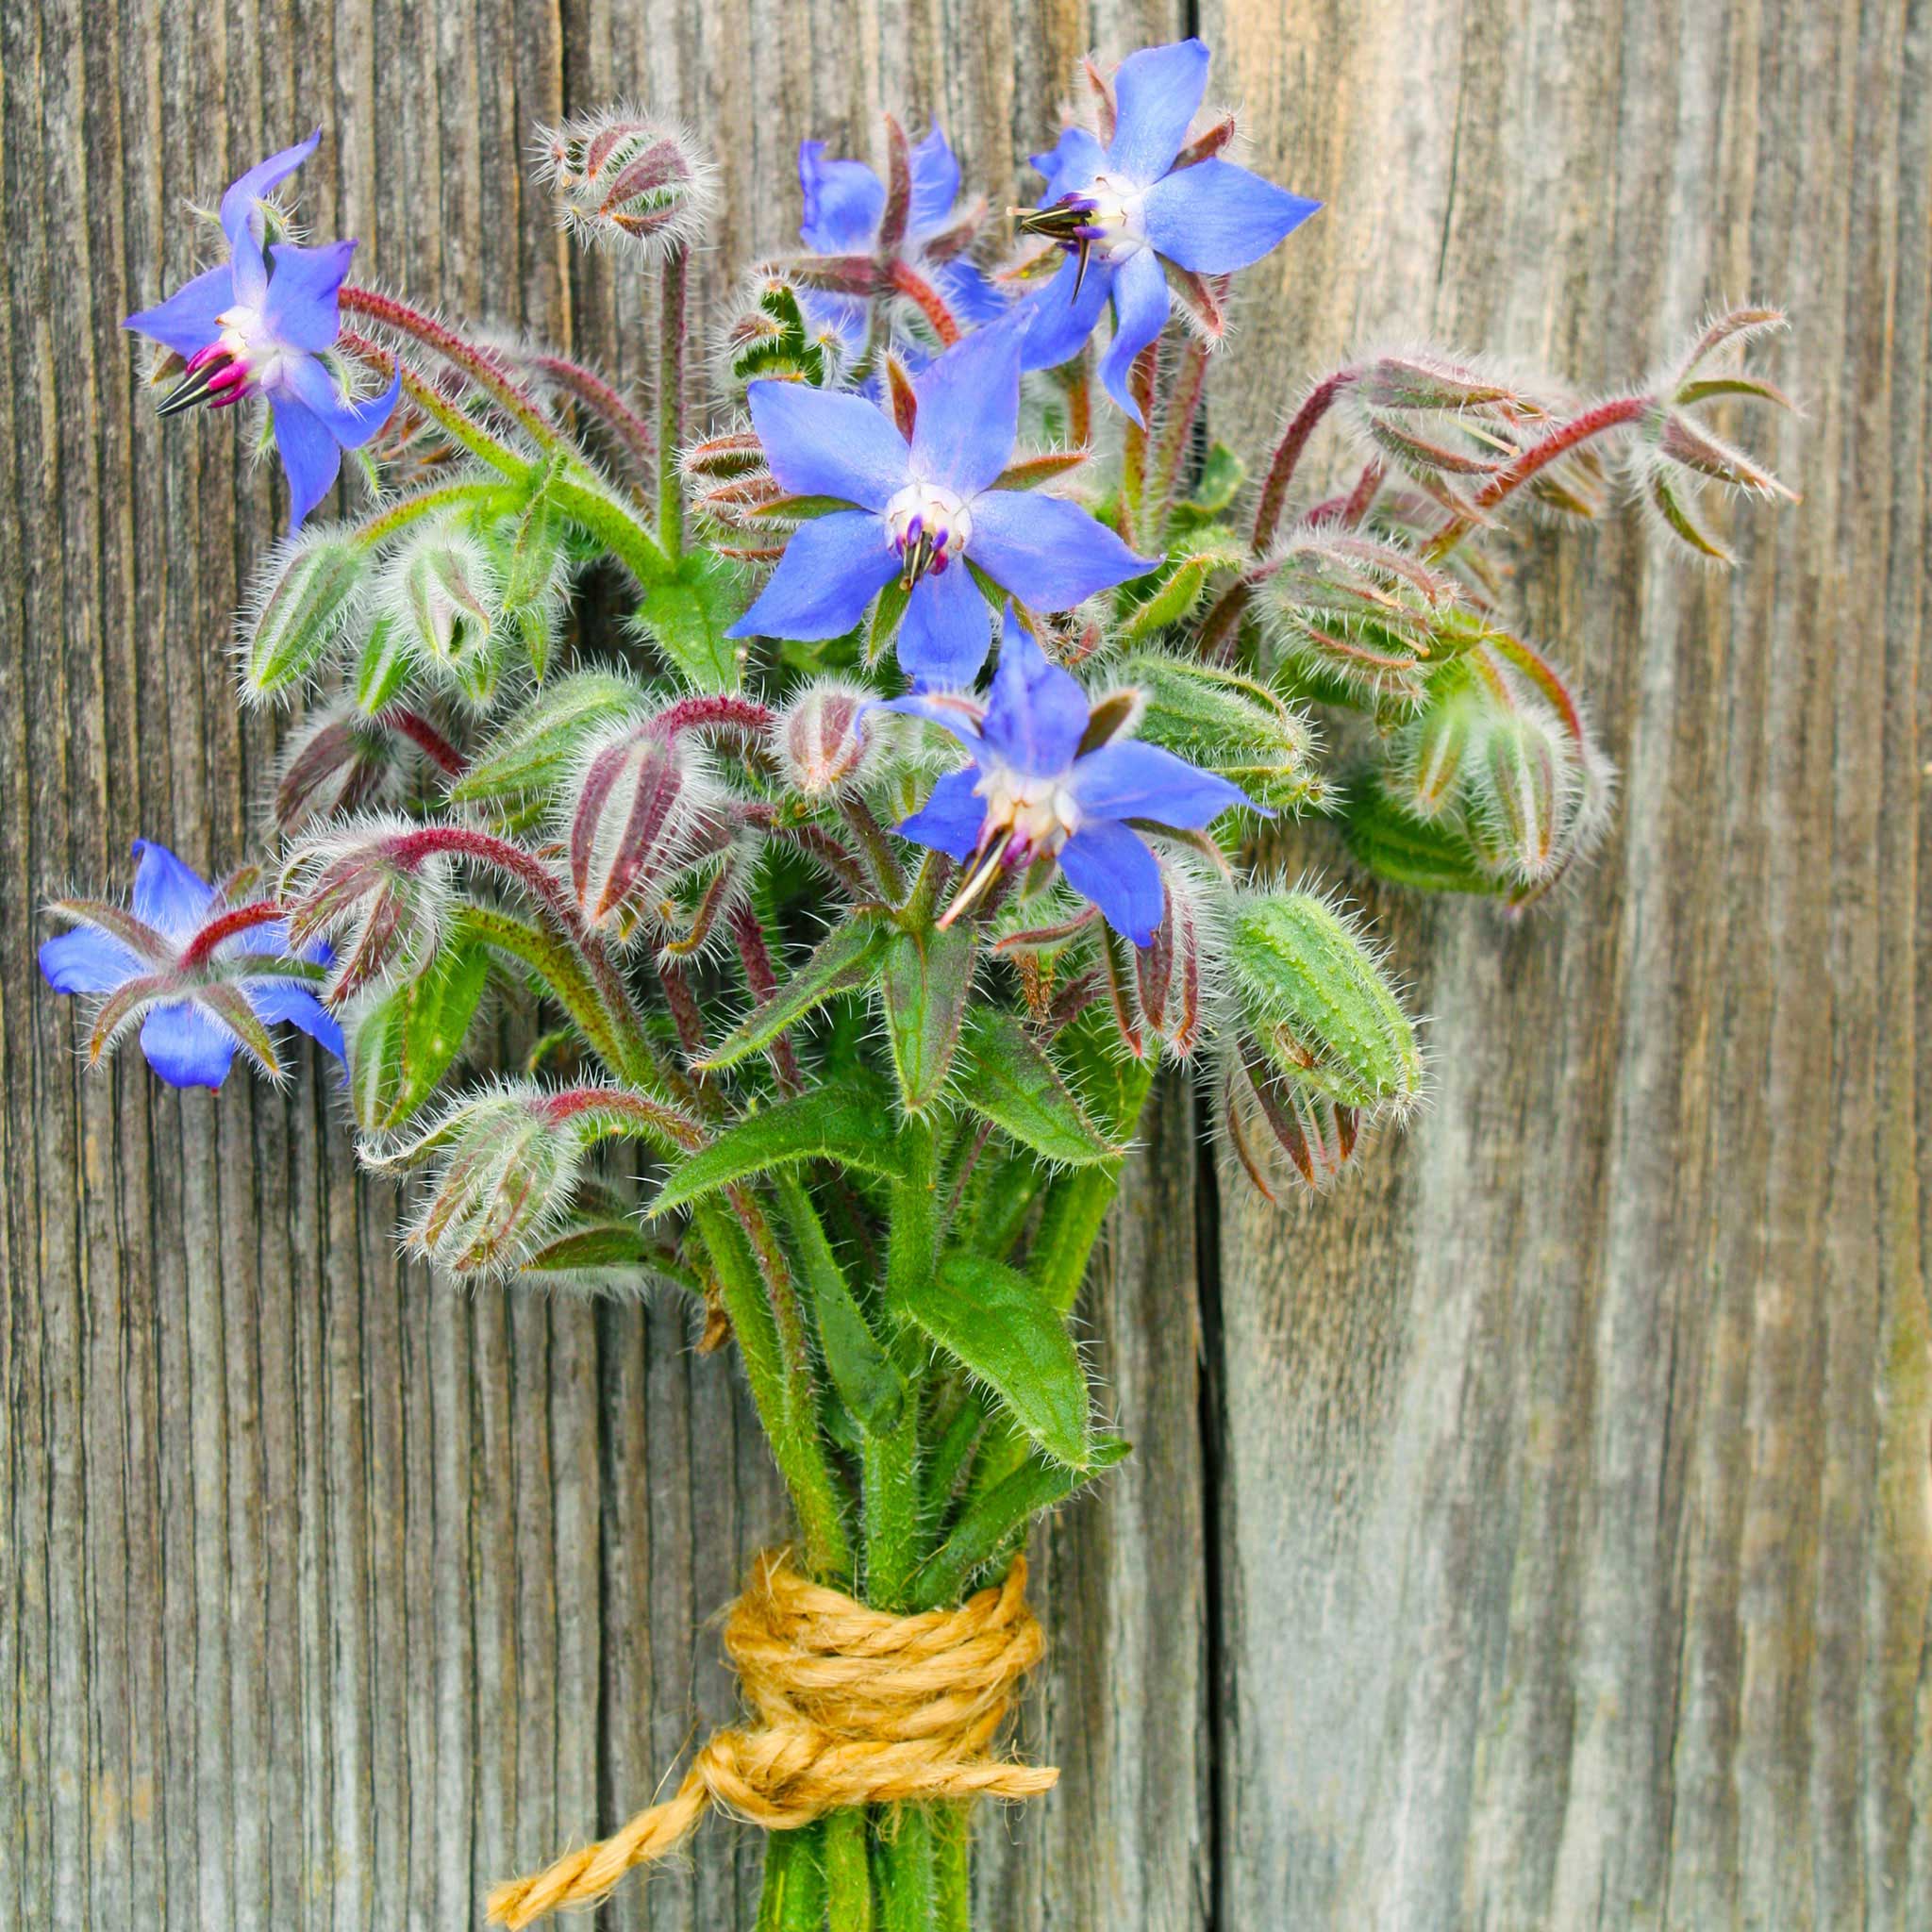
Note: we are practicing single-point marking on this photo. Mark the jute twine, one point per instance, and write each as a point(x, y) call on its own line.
point(854, 1707)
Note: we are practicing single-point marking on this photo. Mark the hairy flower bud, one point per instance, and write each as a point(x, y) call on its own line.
point(640, 799)
point(532, 755)
point(1519, 788)
point(373, 891)
point(339, 763)
point(1227, 724)
point(1431, 752)
point(506, 1163)
point(625, 181)
point(1360, 611)
point(442, 592)
point(1281, 1129)
point(818, 740)
point(1168, 972)
point(299, 603)
point(1314, 995)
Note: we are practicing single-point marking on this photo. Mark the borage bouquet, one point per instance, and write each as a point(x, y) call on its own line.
point(851, 897)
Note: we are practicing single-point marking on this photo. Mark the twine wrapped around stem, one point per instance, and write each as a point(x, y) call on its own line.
point(854, 1707)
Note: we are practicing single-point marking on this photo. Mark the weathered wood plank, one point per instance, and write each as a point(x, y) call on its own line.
point(1578, 1530)
point(331, 1596)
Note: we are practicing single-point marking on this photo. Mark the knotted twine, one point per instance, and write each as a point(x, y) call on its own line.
point(854, 1707)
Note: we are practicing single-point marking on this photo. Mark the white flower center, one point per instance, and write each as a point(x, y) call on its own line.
point(1039, 814)
point(1117, 212)
point(930, 526)
point(247, 337)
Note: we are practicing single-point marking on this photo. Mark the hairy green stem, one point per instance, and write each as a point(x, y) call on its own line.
point(849, 1871)
point(905, 1851)
point(788, 1421)
point(791, 1898)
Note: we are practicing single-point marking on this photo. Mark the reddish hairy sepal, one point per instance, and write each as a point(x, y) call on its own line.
point(374, 890)
point(339, 762)
point(1168, 970)
point(819, 741)
point(1280, 1131)
point(898, 207)
point(634, 805)
point(840, 274)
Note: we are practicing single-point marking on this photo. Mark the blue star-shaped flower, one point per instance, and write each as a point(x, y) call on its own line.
point(1031, 792)
point(1122, 210)
point(844, 202)
point(920, 507)
point(200, 989)
point(257, 324)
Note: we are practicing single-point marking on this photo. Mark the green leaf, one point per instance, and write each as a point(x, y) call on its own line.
point(866, 1380)
point(843, 963)
point(927, 981)
point(407, 1039)
point(608, 1246)
point(1222, 475)
point(1001, 1326)
point(1010, 1080)
point(850, 1122)
point(990, 1521)
point(688, 614)
point(540, 743)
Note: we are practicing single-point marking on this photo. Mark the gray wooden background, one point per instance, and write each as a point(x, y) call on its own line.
point(1535, 1533)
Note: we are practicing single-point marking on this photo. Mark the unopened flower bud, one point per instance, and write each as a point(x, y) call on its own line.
point(627, 181)
point(509, 1160)
point(1521, 788)
point(374, 890)
point(1168, 970)
point(1281, 1129)
point(299, 603)
point(1228, 724)
point(1433, 750)
point(1314, 993)
point(641, 798)
point(1360, 609)
point(339, 762)
point(818, 738)
point(529, 755)
point(443, 592)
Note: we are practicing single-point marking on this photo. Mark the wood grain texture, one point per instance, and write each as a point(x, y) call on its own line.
point(328, 1597)
point(1578, 1534)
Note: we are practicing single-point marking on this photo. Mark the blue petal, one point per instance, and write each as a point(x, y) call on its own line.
point(1049, 552)
point(185, 1047)
point(968, 411)
point(843, 200)
point(1037, 714)
point(1216, 217)
point(831, 570)
point(170, 897)
point(935, 183)
point(974, 297)
point(950, 712)
point(1158, 91)
point(825, 444)
point(239, 215)
point(301, 305)
point(187, 320)
point(286, 999)
point(1108, 863)
point(88, 960)
point(1140, 313)
point(1128, 779)
point(242, 220)
point(352, 422)
point(1069, 164)
point(1056, 323)
point(952, 818)
point(310, 456)
point(947, 631)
